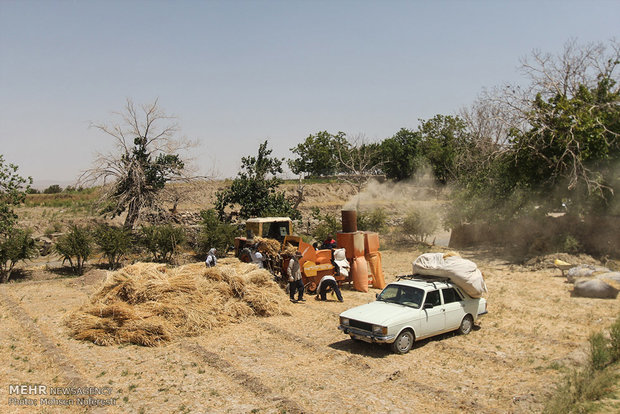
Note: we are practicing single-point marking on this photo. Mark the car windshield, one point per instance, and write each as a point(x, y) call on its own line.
point(403, 295)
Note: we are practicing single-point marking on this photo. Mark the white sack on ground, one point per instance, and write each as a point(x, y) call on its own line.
point(462, 272)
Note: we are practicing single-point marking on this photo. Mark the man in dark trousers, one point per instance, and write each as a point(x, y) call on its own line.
point(294, 278)
point(328, 283)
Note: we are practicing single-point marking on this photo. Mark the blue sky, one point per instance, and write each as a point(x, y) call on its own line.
point(238, 72)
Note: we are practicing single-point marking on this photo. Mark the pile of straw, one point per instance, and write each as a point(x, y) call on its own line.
point(270, 247)
point(147, 303)
point(289, 250)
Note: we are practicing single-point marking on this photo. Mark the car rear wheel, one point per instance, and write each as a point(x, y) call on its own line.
point(466, 325)
point(403, 343)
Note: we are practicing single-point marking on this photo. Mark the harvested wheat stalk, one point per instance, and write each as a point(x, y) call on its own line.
point(270, 247)
point(147, 303)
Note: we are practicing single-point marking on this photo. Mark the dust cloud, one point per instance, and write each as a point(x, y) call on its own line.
point(397, 198)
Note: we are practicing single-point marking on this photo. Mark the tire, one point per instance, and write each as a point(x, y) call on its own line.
point(466, 325)
point(245, 255)
point(308, 290)
point(403, 343)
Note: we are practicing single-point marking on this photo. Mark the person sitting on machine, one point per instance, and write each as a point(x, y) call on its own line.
point(329, 243)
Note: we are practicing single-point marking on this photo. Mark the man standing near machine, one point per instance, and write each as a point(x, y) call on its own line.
point(294, 278)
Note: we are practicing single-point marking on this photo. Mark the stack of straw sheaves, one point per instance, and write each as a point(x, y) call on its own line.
point(147, 303)
point(268, 246)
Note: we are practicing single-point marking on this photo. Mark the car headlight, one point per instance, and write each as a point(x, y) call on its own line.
point(378, 329)
point(344, 321)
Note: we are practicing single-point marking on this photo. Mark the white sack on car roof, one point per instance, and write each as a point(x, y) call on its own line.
point(462, 272)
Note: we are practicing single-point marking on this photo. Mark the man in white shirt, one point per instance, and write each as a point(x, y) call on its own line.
point(258, 259)
point(328, 283)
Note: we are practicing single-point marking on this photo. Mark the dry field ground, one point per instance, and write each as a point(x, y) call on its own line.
point(302, 363)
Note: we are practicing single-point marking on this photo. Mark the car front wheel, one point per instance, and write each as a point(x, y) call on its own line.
point(466, 325)
point(403, 343)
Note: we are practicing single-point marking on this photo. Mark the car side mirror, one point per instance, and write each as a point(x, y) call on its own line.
point(376, 295)
point(428, 306)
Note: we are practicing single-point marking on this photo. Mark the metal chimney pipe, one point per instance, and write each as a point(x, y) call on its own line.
point(349, 221)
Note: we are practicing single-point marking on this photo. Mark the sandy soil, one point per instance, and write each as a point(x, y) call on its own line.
point(302, 363)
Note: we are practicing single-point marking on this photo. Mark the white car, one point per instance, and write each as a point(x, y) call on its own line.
point(413, 308)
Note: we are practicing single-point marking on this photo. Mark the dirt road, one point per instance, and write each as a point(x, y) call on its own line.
point(302, 363)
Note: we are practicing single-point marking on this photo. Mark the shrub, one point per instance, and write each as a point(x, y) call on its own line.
point(376, 220)
point(571, 245)
point(215, 233)
point(591, 382)
point(162, 241)
point(54, 227)
point(599, 351)
point(52, 189)
point(76, 244)
point(114, 242)
point(15, 246)
point(420, 223)
point(328, 225)
point(614, 340)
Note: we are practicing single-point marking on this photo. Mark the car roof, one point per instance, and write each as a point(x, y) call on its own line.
point(423, 282)
point(267, 219)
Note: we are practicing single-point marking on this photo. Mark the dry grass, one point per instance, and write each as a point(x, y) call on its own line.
point(147, 303)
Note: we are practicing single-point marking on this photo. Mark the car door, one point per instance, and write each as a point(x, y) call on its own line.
point(454, 308)
point(433, 318)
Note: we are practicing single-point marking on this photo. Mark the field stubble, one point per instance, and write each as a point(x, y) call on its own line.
point(302, 363)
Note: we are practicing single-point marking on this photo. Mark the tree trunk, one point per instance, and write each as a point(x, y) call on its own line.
point(6, 274)
point(132, 215)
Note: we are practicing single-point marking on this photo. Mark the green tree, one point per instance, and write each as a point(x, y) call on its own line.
point(16, 246)
point(401, 155)
point(146, 158)
point(327, 225)
point(114, 242)
point(254, 192)
point(76, 244)
point(442, 138)
point(13, 189)
point(573, 145)
point(552, 142)
point(215, 233)
point(317, 155)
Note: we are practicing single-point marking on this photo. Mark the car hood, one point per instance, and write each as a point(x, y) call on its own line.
point(380, 313)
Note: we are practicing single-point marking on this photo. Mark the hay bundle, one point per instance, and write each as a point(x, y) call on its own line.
point(148, 304)
point(270, 247)
point(289, 250)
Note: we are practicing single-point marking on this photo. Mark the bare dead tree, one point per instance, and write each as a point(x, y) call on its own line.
point(488, 133)
point(299, 195)
point(358, 161)
point(147, 154)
